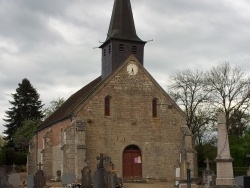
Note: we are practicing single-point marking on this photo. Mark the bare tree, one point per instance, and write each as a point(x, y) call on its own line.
point(54, 105)
point(187, 89)
point(230, 91)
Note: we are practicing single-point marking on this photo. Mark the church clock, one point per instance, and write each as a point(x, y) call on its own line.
point(132, 69)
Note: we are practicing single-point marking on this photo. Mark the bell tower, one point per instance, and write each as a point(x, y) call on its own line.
point(122, 40)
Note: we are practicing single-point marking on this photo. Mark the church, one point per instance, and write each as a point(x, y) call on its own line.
point(124, 113)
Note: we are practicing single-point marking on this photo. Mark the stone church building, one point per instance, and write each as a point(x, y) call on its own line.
point(124, 113)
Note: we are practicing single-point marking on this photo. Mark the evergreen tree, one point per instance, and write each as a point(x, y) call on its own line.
point(25, 106)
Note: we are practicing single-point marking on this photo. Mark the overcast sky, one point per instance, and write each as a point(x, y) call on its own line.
point(51, 42)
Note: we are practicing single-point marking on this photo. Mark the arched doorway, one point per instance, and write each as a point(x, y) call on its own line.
point(132, 162)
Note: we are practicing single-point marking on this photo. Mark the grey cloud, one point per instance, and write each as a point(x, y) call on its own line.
point(51, 42)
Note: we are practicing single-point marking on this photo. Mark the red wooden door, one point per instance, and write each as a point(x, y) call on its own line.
point(132, 163)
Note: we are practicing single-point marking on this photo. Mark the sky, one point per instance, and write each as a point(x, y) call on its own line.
point(53, 42)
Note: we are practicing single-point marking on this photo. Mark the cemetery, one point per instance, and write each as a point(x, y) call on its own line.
point(106, 176)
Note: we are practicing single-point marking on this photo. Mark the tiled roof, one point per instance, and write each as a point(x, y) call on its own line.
point(65, 110)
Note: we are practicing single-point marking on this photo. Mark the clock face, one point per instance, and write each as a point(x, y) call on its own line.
point(132, 69)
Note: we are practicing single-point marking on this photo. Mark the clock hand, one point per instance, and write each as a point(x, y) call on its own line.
point(132, 70)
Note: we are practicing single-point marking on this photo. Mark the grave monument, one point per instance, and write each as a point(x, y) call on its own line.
point(208, 176)
point(86, 178)
point(39, 178)
point(14, 178)
point(224, 166)
point(248, 170)
point(3, 178)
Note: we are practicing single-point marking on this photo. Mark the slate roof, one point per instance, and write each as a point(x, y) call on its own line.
point(122, 24)
point(66, 109)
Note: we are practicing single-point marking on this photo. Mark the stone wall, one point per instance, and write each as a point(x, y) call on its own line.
point(57, 160)
point(49, 151)
point(131, 123)
point(32, 156)
point(47, 155)
point(74, 148)
point(90, 132)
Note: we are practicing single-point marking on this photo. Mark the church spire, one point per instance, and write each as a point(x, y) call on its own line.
point(122, 40)
point(122, 22)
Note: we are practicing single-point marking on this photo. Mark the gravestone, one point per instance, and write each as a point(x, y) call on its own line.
point(14, 180)
point(3, 178)
point(113, 179)
point(101, 158)
point(207, 164)
point(30, 181)
point(177, 176)
point(14, 177)
point(224, 160)
point(106, 178)
point(58, 175)
point(243, 181)
point(208, 176)
point(101, 175)
point(248, 170)
point(39, 178)
point(86, 178)
point(68, 178)
point(101, 178)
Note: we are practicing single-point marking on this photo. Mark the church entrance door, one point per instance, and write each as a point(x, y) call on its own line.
point(132, 162)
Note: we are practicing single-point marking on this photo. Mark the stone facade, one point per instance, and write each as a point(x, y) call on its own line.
point(89, 132)
point(32, 156)
point(131, 122)
point(74, 148)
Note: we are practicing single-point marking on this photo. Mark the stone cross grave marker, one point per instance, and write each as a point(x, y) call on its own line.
point(101, 175)
point(102, 159)
point(207, 164)
point(3, 178)
point(13, 169)
point(106, 178)
point(39, 178)
point(208, 177)
point(40, 166)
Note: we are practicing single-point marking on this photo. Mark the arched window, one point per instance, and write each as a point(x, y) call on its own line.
point(107, 106)
point(154, 107)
